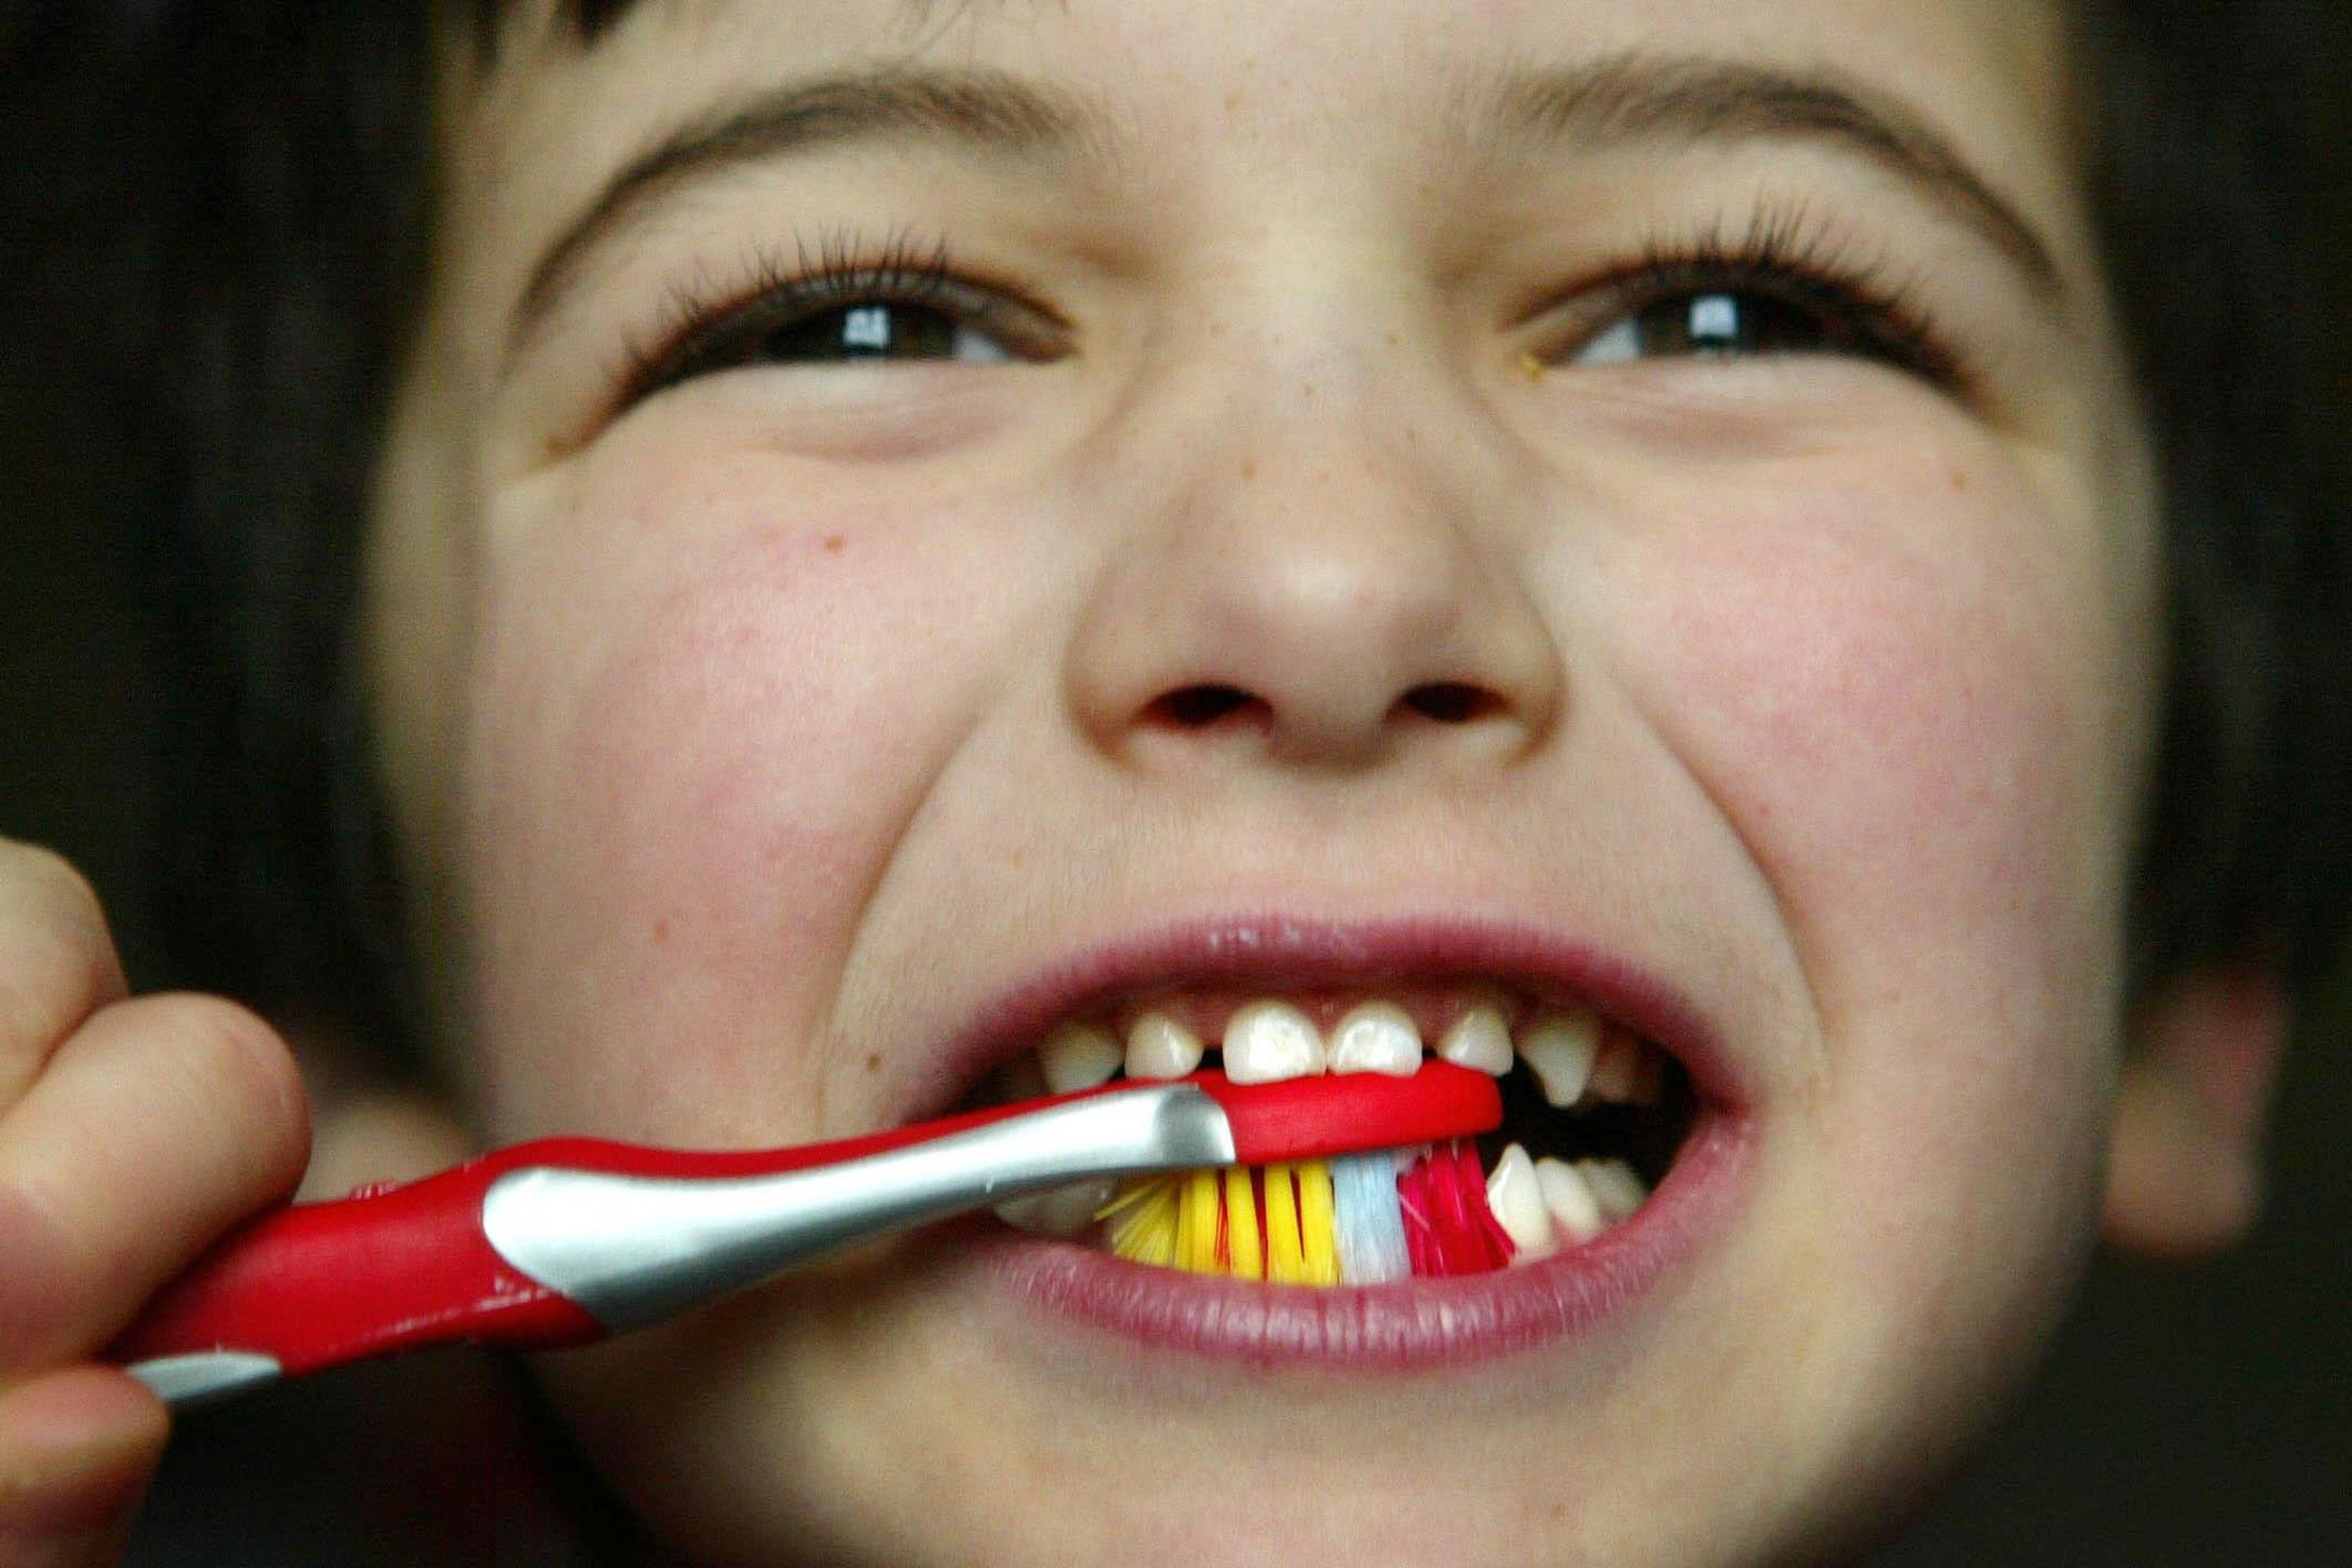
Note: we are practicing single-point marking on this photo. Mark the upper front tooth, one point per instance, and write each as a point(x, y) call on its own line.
point(1377, 1036)
point(1479, 1038)
point(1159, 1047)
point(1558, 1046)
point(1268, 1041)
point(1078, 1056)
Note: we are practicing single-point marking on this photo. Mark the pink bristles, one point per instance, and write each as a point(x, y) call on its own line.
point(1448, 1229)
point(1494, 1244)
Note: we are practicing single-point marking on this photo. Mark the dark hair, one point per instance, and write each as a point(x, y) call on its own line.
point(276, 255)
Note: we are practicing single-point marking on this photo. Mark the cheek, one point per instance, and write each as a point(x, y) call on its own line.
point(702, 718)
point(1902, 694)
point(1901, 697)
point(1899, 692)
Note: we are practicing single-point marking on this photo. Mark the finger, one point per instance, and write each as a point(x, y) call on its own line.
point(57, 964)
point(76, 1450)
point(161, 1122)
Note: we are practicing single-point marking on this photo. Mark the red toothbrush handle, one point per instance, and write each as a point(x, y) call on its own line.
point(401, 1267)
point(387, 1269)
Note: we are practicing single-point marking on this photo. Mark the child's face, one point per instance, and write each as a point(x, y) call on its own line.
point(1379, 499)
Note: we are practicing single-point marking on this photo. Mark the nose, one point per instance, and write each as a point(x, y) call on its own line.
point(1329, 580)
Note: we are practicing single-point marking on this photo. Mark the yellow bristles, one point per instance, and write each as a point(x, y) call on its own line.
point(1285, 1261)
point(1142, 1222)
point(1244, 1251)
point(1208, 1222)
point(1318, 1233)
point(1196, 1223)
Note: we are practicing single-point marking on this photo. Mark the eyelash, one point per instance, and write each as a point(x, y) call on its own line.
point(699, 329)
point(1786, 254)
point(1793, 257)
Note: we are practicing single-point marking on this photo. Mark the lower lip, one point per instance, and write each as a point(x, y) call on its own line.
point(1406, 1326)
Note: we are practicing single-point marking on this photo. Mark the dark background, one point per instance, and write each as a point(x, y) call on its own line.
point(2186, 1416)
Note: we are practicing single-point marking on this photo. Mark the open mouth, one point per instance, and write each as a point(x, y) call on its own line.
point(1595, 1116)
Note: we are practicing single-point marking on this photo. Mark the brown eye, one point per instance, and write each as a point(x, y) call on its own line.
point(782, 330)
point(878, 330)
point(1723, 324)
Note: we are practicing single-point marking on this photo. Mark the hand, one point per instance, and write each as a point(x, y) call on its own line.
point(133, 1131)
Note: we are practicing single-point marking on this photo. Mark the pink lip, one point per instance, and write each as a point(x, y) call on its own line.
point(1411, 1324)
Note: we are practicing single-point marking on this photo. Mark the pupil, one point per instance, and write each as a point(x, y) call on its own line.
point(865, 329)
point(1715, 323)
point(890, 331)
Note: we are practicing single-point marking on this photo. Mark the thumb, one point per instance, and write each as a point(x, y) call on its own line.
point(77, 1449)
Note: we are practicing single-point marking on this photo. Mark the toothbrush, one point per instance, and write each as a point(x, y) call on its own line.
point(1359, 1219)
point(565, 1241)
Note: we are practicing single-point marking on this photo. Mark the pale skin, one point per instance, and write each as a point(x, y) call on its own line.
point(749, 735)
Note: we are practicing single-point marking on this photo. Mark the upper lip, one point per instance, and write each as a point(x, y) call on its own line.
point(1283, 951)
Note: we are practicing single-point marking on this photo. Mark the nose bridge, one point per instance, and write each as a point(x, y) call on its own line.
point(1328, 570)
point(1320, 529)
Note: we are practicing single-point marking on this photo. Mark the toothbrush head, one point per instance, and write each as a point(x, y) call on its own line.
point(1319, 1195)
point(1346, 1113)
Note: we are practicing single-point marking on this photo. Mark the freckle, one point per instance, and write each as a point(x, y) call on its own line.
point(1249, 467)
point(873, 1061)
point(1960, 482)
point(833, 543)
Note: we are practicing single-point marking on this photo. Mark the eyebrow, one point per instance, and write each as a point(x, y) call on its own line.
point(1621, 99)
point(983, 114)
point(1633, 98)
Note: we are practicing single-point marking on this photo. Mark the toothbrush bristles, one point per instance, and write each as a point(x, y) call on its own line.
point(1360, 1219)
point(1369, 1224)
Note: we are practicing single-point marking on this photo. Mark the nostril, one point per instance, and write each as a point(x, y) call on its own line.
point(1451, 701)
point(1199, 707)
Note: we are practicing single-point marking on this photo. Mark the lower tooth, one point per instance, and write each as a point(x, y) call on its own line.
point(1518, 1207)
point(1066, 1212)
point(1615, 1185)
point(1569, 1200)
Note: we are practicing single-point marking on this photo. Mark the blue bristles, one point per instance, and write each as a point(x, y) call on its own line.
point(1370, 1225)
